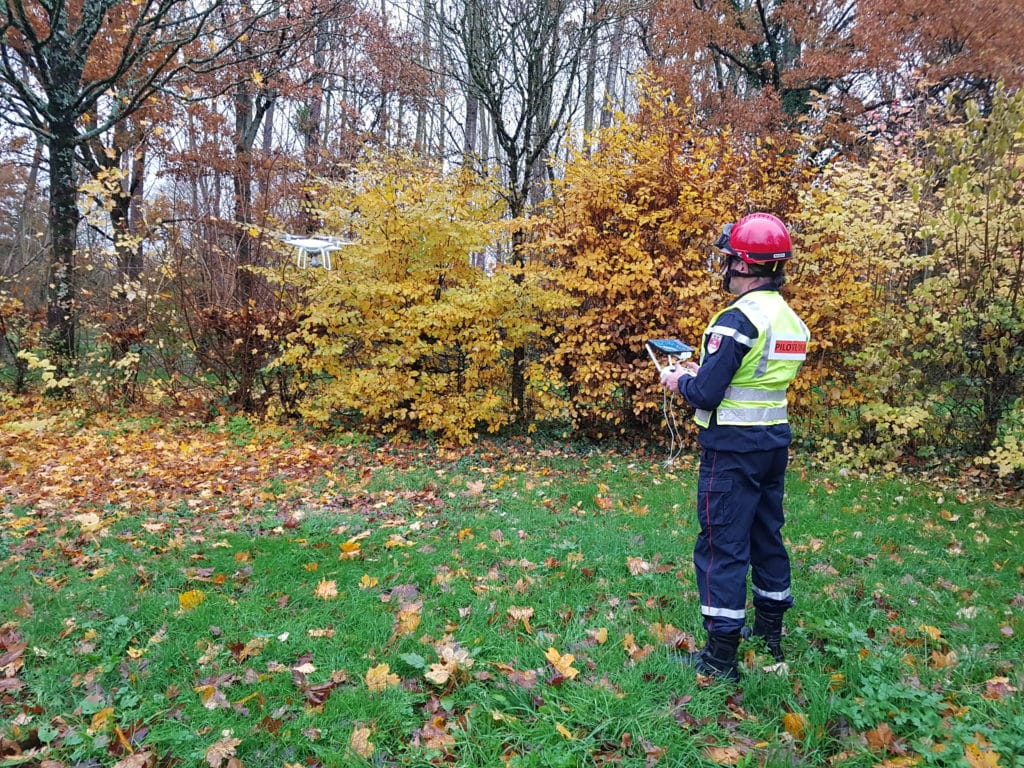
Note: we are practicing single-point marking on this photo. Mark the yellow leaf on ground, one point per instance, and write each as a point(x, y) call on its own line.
point(360, 742)
point(408, 618)
point(380, 677)
point(562, 664)
point(101, 721)
point(980, 757)
point(795, 725)
point(191, 599)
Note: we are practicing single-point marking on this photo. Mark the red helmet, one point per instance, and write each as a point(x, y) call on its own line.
point(758, 238)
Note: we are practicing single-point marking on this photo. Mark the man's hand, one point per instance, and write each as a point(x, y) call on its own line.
point(670, 376)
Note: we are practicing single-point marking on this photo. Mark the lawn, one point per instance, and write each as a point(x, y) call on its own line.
point(187, 594)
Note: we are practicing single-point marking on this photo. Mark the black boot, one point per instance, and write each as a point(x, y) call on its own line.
point(768, 627)
point(717, 658)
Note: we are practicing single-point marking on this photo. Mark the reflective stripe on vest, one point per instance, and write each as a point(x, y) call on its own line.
point(757, 395)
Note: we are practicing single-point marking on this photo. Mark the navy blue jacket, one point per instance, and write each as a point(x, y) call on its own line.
point(707, 389)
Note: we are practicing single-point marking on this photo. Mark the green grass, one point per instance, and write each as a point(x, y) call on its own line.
point(905, 642)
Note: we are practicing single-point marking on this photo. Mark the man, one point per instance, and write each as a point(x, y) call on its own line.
point(750, 353)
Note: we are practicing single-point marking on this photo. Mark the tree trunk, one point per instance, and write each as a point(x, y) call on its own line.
point(590, 83)
point(614, 57)
point(61, 311)
point(245, 136)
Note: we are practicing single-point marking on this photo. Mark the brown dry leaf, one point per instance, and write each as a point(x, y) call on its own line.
point(997, 688)
point(360, 742)
point(524, 679)
point(524, 615)
point(940, 660)
point(666, 634)
point(327, 589)
point(435, 734)
point(380, 677)
point(454, 662)
point(562, 664)
point(880, 738)
point(221, 750)
point(723, 755)
point(635, 652)
point(638, 566)
point(795, 725)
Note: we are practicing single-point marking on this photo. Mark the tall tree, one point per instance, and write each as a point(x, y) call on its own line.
point(60, 64)
point(522, 62)
point(760, 65)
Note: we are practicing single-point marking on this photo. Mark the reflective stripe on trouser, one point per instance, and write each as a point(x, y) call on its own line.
point(739, 507)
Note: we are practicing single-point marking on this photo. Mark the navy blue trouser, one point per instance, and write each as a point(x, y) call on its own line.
point(739, 506)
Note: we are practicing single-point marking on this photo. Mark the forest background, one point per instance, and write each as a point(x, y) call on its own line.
point(523, 193)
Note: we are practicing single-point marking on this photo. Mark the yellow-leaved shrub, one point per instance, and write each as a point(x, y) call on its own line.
point(630, 227)
point(857, 232)
point(921, 252)
point(405, 333)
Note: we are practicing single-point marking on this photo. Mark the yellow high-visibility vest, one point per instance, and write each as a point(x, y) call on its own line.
point(757, 394)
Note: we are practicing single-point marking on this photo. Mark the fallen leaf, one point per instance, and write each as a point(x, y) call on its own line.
point(940, 660)
point(524, 615)
point(327, 589)
point(723, 755)
point(191, 599)
point(638, 566)
point(795, 725)
point(380, 677)
point(562, 664)
point(997, 688)
point(368, 582)
point(101, 721)
point(880, 738)
point(978, 756)
point(360, 742)
point(635, 652)
point(221, 750)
